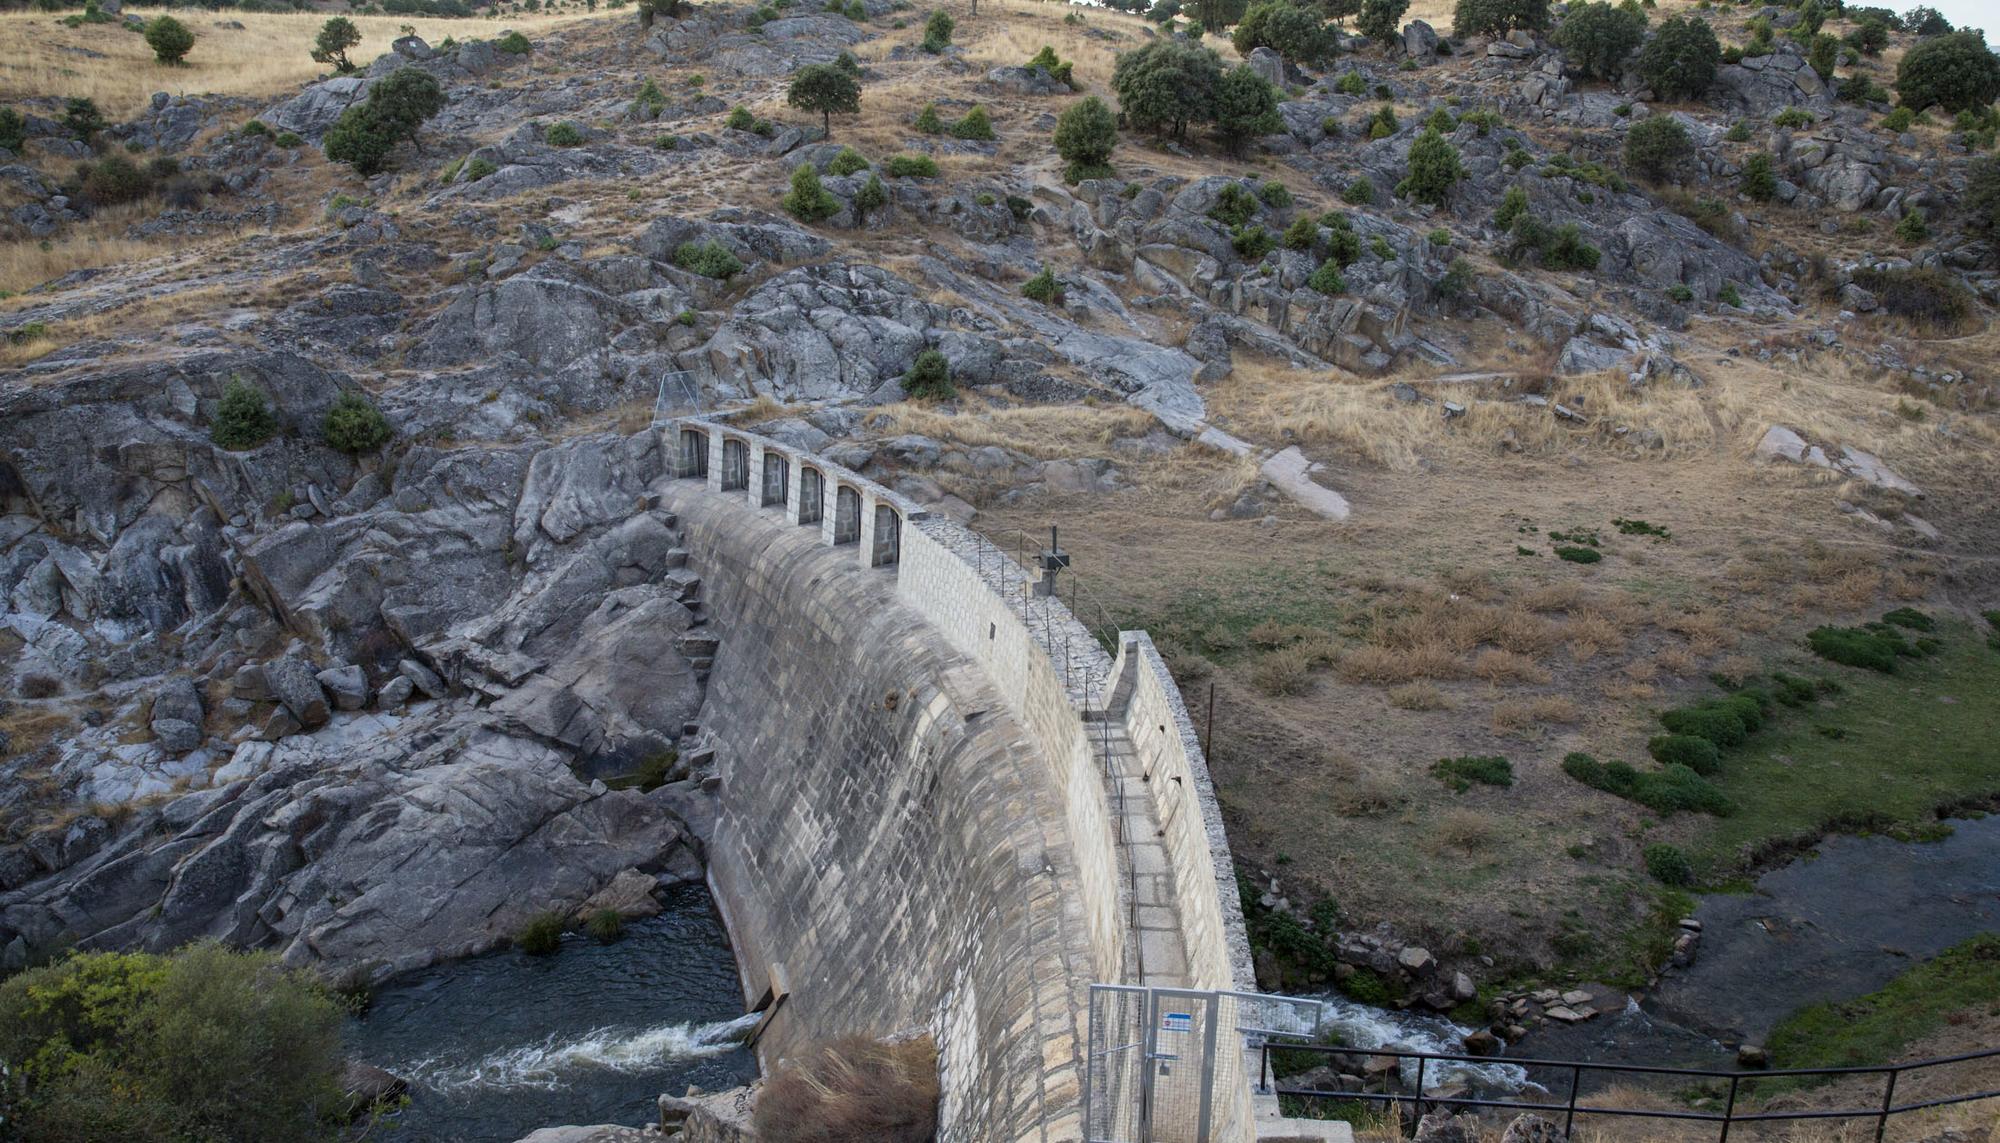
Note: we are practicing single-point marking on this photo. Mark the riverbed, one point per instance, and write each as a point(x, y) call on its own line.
point(497, 1046)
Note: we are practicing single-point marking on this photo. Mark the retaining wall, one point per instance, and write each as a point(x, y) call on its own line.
point(913, 823)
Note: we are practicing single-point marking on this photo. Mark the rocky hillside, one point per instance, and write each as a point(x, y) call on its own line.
point(595, 225)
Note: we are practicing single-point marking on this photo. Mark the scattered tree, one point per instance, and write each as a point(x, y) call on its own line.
point(1656, 146)
point(1679, 61)
point(82, 118)
point(1982, 199)
point(1382, 20)
point(1086, 132)
point(169, 39)
point(1167, 85)
point(1598, 38)
point(976, 126)
point(1246, 106)
point(396, 107)
point(335, 37)
point(929, 378)
point(1955, 71)
point(1760, 179)
point(1434, 167)
point(826, 89)
point(1294, 33)
point(355, 425)
point(1498, 17)
point(243, 418)
point(809, 201)
point(937, 32)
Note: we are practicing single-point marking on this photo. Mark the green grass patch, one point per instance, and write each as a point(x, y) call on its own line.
point(1461, 772)
point(1667, 790)
point(1579, 555)
point(1879, 1028)
point(1215, 619)
point(1640, 528)
point(1876, 646)
point(1885, 750)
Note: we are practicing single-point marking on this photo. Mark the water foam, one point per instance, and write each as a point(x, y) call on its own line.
point(554, 1063)
point(1362, 1026)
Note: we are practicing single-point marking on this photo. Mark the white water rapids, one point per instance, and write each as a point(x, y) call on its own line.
point(557, 1061)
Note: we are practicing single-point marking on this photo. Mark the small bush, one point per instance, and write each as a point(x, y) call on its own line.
point(1722, 722)
point(563, 134)
point(928, 120)
point(1911, 618)
point(1669, 790)
point(1729, 296)
point(1957, 72)
point(1434, 168)
point(1285, 671)
point(113, 179)
point(243, 418)
point(478, 169)
point(1924, 296)
point(1252, 242)
point(975, 126)
point(937, 32)
point(1697, 754)
point(1234, 206)
point(605, 925)
point(1792, 119)
point(912, 167)
point(847, 162)
point(1275, 195)
point(1328, 279)
point(1461, 772)
point(740, 119)
point(1043, 287)
point(1760, 178)
point(809, 201)
point(1876, 647)
point(541, 936)
point(1382, 124)
point(871, 196)
point(1302, 234)
point(514, 44)
point(1578, 555)
point(710, 259)
point(852, 1089)
point(288, 140)
point(929, 378)
point(1669, 865)
point(1085, 134)
point(354, 425)
point(169, 39)
point(1657, 147)
point(1679, 61)
point(1899, 120)
point(1360, 192)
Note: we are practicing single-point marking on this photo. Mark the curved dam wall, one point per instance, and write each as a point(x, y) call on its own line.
point(915, 830)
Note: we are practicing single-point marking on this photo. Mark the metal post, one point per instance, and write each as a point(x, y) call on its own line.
point(1569, 1117)
point(1888, 1101)
point(1264, 1066)
point(1729, 1111)
point(1419, 1102)
point(1208, 728)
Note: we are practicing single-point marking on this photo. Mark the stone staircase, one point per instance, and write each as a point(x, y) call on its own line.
point(1155, 954)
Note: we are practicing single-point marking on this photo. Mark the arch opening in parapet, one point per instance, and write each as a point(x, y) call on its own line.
point(812, 494)
point(777, 479)
point(693, 460)
point(735, 464)
point(888, 537)
point(847, 516)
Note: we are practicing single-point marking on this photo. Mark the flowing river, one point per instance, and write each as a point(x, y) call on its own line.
point(497, 1046)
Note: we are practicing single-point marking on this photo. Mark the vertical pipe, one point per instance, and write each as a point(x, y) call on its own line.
point(1208, 728)
point(1888, 1101)
point(1419, 1102)
point(1569, 1117)
point(1729, 1111)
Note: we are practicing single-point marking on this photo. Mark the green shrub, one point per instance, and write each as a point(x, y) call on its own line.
point(1658, 146)
point(847, 162)
point(1739, 132)
point(13, 130)
point(330, 47)
point(354, 425)
point(81, 117)
point(974, 126)
point(1672, 789)
point(1912, 229)
point(1383, 123)
point(1498, 17)
point(1328, 279)
point(605, 925)
point(1957, 72)
point(1085, 134)
point(1729, 296)
point(243, 418)
point(740, 119)
point(649, 102)
point(1925, 296)
point(912, 167)
point(541, 936)
point(1680, 293)
point(396, 107)
point(1302, 234)
point(1513, 207)
point(1381, 20)
point(710, 259)
point(1911, 618)
point(563, 134)
point(1275, 195)
point(1167, 85)
point(1461, 772)
point(1792, 118)
point(1351, 83)
point(937, 32)
point(1043, 287)
point(1434, 167)
point(1876, 648)
point(514, 44)
point(1360, 192)
point(1598, 38)
point(809, 201)
point(1899, 120)
point(169, 39)
point(1234, 205)
point(871, 196)
point(1251, 242)
point(288, 140)
point(1722, 722)
point(203, 1043)
point(1441, 121)
point(113, 179)
point(1760, 178)
point(479, 168)
point(1246, 106)
point(1457, 280)
point(1060, 70)
point(826, 89)
point(1679, 61)
point(1578, 555)
point(929, 378)
point(252, 129)
point(1697, 754)
point(1669, 865)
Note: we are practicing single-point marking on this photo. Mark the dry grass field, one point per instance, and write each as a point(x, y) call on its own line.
point(255, 54)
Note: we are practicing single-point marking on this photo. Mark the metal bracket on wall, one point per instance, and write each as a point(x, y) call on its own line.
point(773, 998)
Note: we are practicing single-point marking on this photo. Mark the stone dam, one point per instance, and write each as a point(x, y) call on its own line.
point(942, 805)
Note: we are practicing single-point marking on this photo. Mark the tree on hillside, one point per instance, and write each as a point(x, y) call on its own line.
point(1434, 167)
point(1085, 134)
point(396, 107)
point(1598, 38)
point(1382, 20)
point(1498, 17)
point(1294, 33)
point(1340, 11)
point(937, 32)
point(1679, 61)
point(1655, 147)
point(1956, 71)
point(826, 89)
point(335, 37)
point(1215, 15)
point(1167, 85)
point(169, 39)
point(1246, 106)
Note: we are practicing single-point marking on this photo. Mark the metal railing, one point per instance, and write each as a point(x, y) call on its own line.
point(1729, 1116)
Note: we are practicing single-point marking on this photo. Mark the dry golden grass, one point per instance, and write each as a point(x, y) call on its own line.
point(269, 54)
point(1038, 430)
point(1375, 664)
point(1417, 696)
point(1497, 665)
point(1367, 796)
point(1512, 716)
point(1461, 830)
point(1678, 662)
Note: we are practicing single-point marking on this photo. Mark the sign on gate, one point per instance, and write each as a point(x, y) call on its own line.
point(1165, 1065)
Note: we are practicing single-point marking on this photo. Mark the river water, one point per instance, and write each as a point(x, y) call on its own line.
point(497, 1046)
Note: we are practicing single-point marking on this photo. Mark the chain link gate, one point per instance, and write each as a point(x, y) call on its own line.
point(1165, 1065)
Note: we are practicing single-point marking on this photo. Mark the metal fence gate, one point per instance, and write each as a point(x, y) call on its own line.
point(1166, 1065)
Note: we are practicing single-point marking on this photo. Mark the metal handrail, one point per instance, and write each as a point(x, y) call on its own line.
point(1729, 1116)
